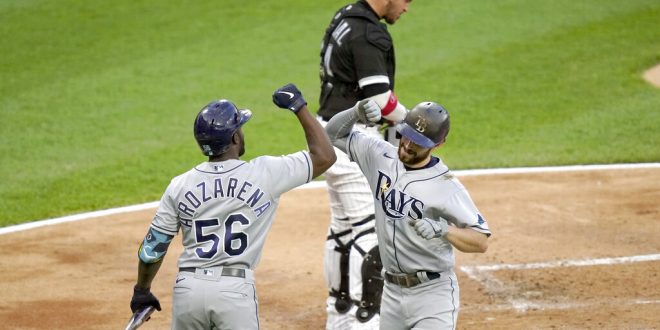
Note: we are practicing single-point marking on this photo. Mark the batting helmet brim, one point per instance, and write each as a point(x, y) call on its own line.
point(414, 136)
point(245, 114)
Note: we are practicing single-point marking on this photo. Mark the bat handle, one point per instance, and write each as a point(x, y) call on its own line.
point(139, 318)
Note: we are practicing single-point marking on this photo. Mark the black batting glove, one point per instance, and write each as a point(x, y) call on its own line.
point(289, 97)
point(143, 298)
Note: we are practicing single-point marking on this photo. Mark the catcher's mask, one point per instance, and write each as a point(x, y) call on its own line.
point(426, 125)
point(215, 125)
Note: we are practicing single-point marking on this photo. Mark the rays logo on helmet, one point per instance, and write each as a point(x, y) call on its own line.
point(421, 124)
point(426, 125)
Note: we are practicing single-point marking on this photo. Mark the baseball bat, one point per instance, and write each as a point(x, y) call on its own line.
point(139, 318)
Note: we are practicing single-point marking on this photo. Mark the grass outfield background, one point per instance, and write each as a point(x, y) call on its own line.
point(97, 98)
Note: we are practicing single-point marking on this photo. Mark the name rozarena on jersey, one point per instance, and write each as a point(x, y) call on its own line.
point(394, 202)
point(233, 188)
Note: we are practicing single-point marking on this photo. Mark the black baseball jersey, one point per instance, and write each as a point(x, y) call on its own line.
point(357, 51)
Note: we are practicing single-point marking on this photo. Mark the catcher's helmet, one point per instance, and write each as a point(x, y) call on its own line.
point(215, 125)
point(426, 125)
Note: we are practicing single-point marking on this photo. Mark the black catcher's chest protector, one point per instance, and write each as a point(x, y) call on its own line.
point(339, 71)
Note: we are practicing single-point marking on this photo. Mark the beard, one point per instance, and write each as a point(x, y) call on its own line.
point(241, 149)
point(241, 144)
point(410, 157)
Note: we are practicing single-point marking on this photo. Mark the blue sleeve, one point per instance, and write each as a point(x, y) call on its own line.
point(154, 246)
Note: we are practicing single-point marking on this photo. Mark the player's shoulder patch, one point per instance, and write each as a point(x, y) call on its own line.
point(379, 37)
point(480, 219)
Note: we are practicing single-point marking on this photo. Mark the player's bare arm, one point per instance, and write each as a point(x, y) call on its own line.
point(463, 239)
point(467, 240)
point(150, 254)
point(341, 125)
point(320, 148)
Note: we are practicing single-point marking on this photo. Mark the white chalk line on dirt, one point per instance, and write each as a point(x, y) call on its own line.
point(483, 274)
point(559, 305)
point(322, 184)
point(562, 263)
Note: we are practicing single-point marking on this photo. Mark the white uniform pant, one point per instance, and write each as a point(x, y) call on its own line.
point(429, 305)
point(207, 300)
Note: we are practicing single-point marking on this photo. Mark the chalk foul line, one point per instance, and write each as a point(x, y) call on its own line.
point(561, 263)
point(483, 274)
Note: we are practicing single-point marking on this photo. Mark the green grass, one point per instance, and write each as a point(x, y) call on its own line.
point(97, 98)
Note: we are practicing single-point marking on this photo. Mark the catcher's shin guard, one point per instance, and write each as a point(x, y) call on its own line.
point(372, 286)
point(365, 265)
point(338, 248)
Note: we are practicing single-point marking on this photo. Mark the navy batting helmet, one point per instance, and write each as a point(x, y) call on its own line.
point(215, 125)
point(426, 125)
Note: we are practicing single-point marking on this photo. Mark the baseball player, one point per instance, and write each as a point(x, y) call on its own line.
point(423, 212)
point(356, 62)
point(224, 208)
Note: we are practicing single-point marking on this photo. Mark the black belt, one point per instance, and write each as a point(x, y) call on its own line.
point(226, 271)
point(409, 280)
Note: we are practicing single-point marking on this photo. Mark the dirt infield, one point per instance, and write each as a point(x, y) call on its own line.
point(652, 76)
point(570, 250)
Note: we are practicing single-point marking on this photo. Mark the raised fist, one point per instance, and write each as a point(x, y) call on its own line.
point(289, 97)
point(368, 111)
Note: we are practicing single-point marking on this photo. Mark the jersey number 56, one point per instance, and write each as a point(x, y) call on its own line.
point(234, 243)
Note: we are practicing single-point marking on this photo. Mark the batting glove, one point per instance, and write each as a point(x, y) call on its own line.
point(143, 298)
point(368, 111)
point(430, 228)
point(289, 97)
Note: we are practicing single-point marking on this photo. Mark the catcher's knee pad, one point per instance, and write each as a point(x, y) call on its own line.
point(363, 242)
point(366, 280)
point(336, 266)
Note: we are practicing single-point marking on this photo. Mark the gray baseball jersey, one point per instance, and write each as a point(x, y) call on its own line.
point(400, 194)
point(225, 209)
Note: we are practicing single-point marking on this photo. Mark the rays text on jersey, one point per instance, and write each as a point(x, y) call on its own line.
point(395, 203)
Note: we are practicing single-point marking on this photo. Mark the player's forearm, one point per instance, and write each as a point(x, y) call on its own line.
point(320, 148)
point(340, 126)
point(146, 273)
point(467, 240)
point(150, 256)
point(391, 108)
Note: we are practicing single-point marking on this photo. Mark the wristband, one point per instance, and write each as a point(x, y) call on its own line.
point(392, 101)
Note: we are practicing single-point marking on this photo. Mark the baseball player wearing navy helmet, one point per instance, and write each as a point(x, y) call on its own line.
point(224, 208)
point(423, 212)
